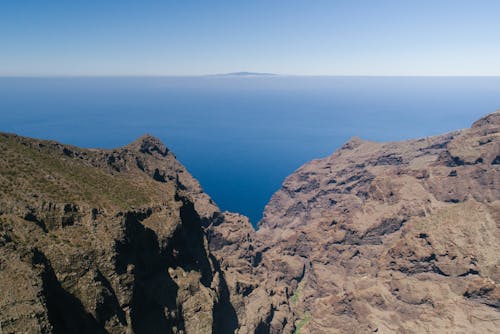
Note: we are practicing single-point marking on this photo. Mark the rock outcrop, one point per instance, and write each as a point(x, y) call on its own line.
point(393, 238)
point(387, 238)
point(109, 241)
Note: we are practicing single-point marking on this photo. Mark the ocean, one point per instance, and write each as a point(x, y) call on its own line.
point(241, 136)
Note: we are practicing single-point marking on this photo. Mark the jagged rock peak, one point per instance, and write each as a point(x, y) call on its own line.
point(135, 255)
point(149, 144)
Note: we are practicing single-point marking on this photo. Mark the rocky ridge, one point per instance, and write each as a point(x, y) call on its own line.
point(379, 237)
point(110, 241)
point(393, 237)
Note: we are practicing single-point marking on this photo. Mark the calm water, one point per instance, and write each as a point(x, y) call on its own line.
point(242, 136)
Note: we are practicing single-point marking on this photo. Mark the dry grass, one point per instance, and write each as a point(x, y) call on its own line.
point(25, 170)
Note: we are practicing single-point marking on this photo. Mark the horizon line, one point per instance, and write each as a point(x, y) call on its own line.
point(239, 75)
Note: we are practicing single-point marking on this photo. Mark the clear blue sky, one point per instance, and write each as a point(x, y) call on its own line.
point(351, 37)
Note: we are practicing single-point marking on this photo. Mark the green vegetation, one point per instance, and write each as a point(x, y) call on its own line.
point(25, 169)
point(295, 297)
point(299, 324)
point(296, 294)
point(302, 322)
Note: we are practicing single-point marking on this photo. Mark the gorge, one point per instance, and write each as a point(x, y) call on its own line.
point(399, 237)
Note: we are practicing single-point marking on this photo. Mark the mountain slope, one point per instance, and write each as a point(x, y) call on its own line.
point(394, 238)
point(379, 237)
point(95, 241)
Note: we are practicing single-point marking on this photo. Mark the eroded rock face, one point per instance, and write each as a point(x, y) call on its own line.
point(394, 238)
point(388, 238)
point(106, 241)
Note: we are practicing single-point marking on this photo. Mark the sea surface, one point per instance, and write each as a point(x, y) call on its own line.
point(241, 136)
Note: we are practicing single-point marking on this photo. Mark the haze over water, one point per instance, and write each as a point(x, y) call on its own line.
point(241, 136)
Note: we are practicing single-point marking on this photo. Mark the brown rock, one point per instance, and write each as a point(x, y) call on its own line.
point(387, 238)
point(397, 237)
point(105, 241)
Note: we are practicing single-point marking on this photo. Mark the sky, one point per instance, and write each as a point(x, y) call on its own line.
point(309, 37)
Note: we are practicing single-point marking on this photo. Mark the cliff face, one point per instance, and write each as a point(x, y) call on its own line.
point(389, 238)
point(393, 238)
point(95, 241)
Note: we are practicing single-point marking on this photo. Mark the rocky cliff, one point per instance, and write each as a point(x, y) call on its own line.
point(112, 241)
point(393, 237)
point(388, 238)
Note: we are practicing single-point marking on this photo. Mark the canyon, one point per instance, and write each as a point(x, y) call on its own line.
point(399, 237)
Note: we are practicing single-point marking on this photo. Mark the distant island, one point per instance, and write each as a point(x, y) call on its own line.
point(242, 74)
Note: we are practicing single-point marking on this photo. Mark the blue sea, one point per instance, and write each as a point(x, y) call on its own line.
point(241, 136)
